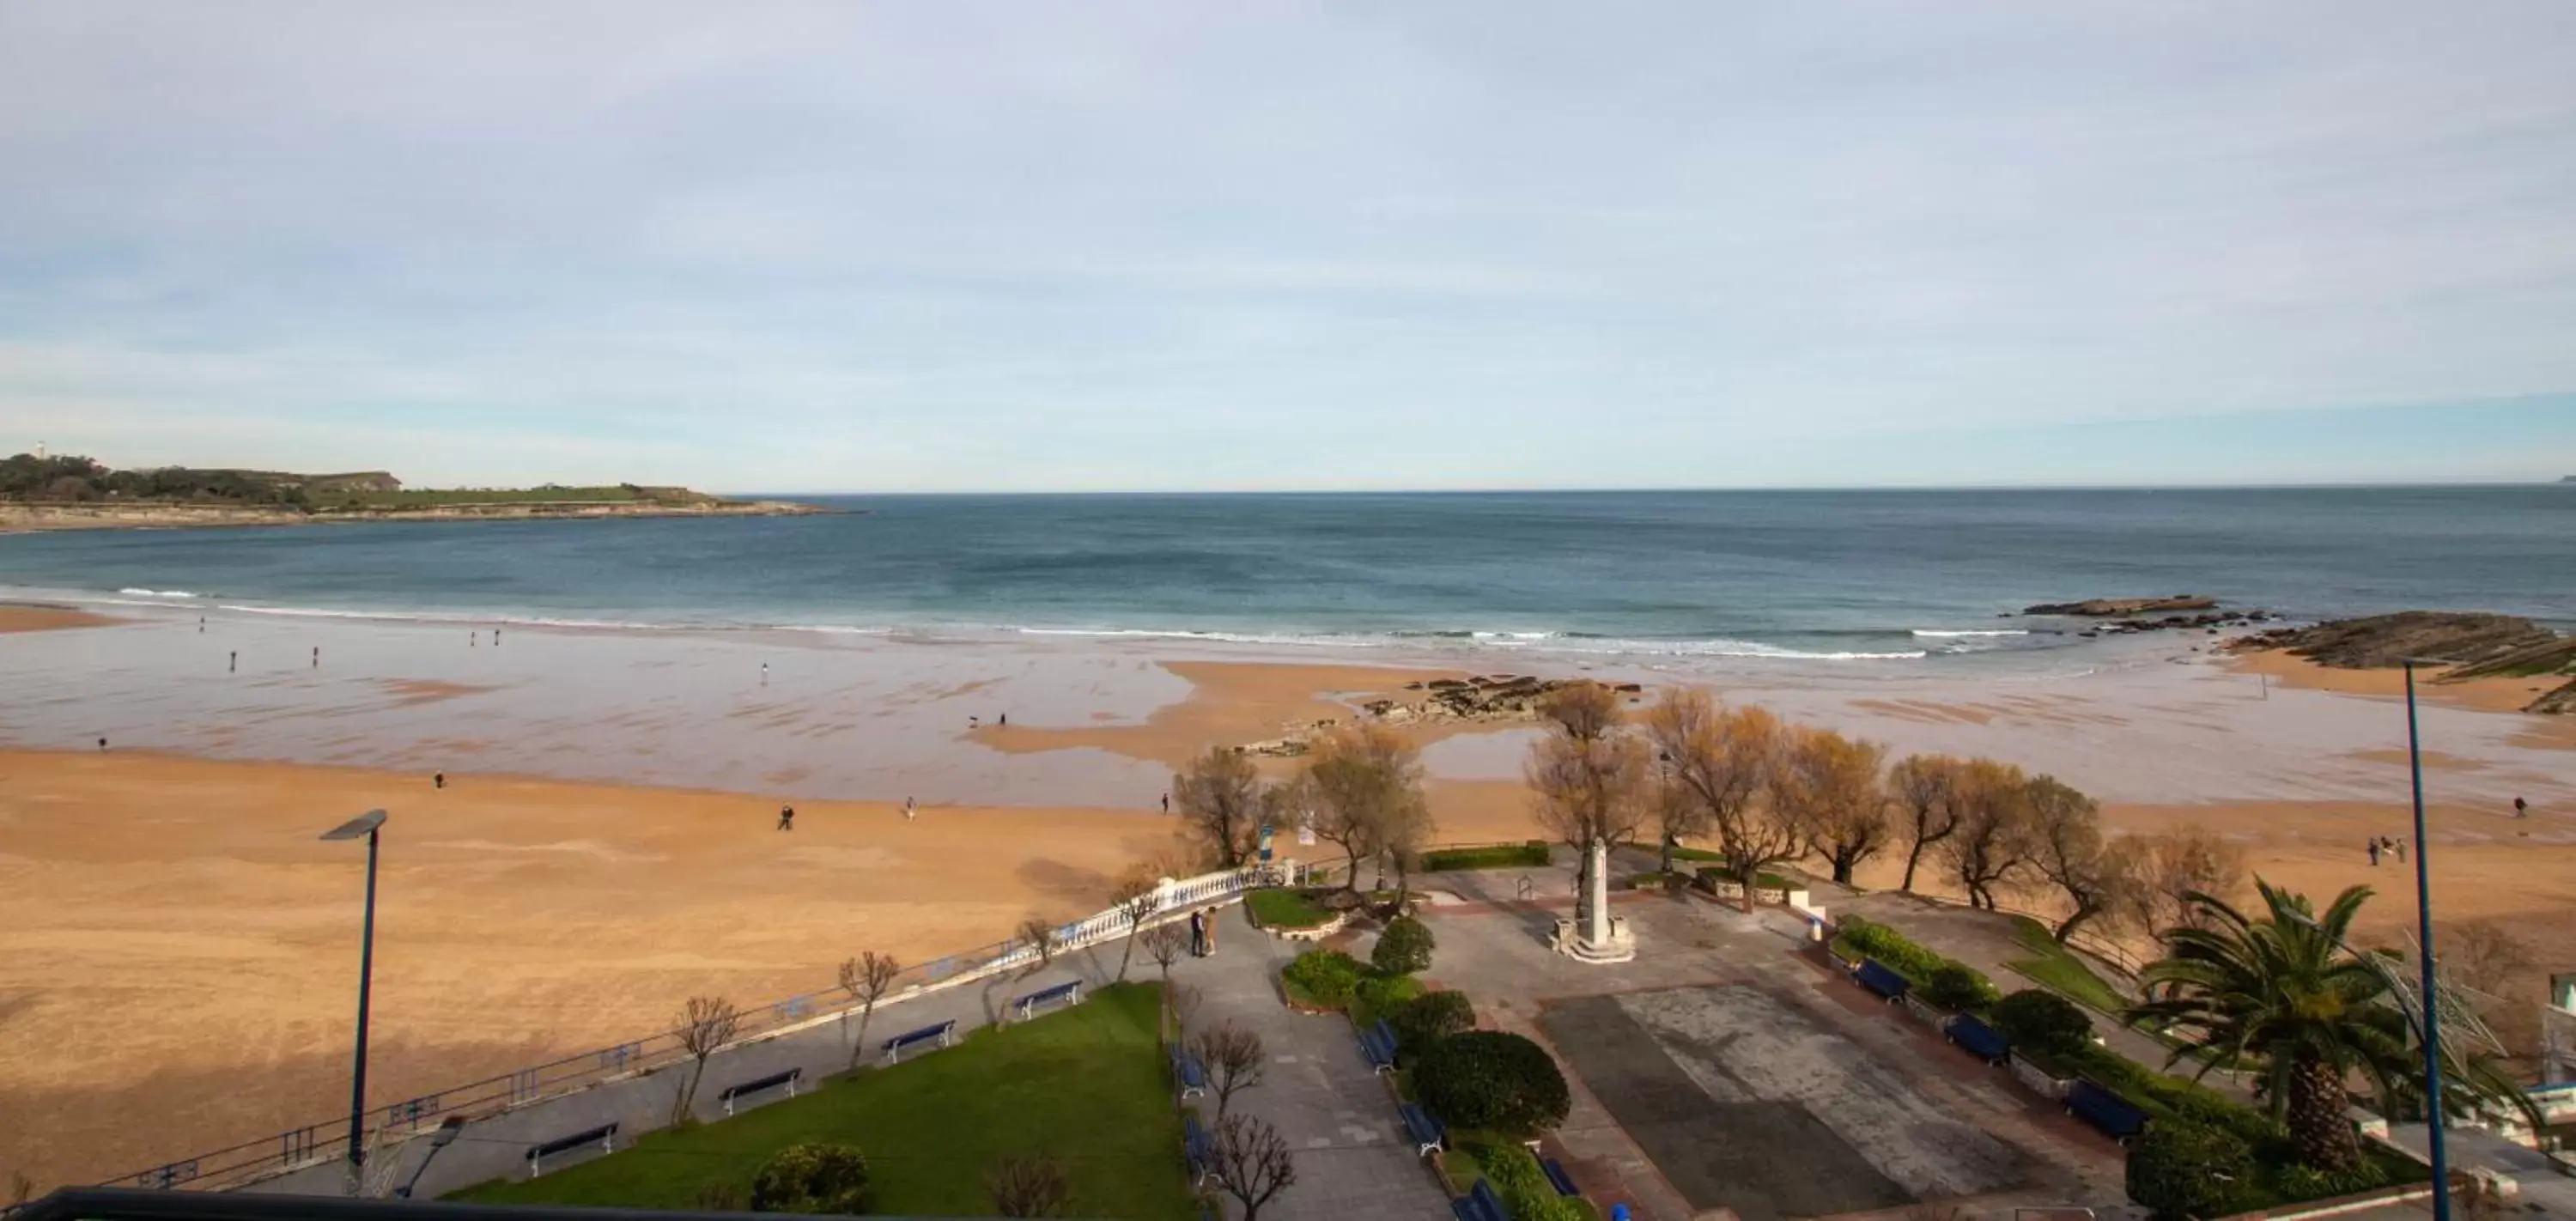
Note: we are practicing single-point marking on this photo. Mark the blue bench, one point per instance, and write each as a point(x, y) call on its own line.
point(1428, 1133)
point(1978, 1039)
point(1070, 994)
point(940, 1034)
point(605, 1134)
point(732, 1092)
point(1377, 1042)
point(1557, 1177)
point(1480, 1205)
point(1197, 1148)
point(1189, 1073)
point(1882, 979)
point(2109, 1113)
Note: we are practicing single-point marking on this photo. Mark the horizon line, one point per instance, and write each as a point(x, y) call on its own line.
point(1576, 490)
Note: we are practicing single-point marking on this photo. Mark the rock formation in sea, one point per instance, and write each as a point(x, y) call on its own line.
point(2471, 644)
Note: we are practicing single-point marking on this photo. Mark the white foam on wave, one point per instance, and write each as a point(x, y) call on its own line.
point(1142, 633)
point(1940, 634)
point(1512, 637)
point(159, 593)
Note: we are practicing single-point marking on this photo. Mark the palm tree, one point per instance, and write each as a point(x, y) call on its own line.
point(2283, 994)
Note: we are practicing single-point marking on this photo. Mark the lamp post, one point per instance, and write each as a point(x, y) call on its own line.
point(366, 825)
point(2432, 1032)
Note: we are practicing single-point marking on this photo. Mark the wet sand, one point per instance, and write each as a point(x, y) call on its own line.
point(48, 619)
point(180, 947)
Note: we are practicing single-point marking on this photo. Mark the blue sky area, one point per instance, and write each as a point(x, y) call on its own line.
point(972, 246)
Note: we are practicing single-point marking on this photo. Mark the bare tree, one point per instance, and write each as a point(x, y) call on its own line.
point(1039, 934)
point(1031, 1186)
point(1924, 788)
point(1219, 796)
point(1722, 760)
point(1136, 901)
point(866, 979)
point(1589, 782)
point(2066, 847)
point(2172, 865)
point(706, 1023)
point(1184, 1001)
point(1992, 841)
point(1830, 793)
point(2480, 954)
point(1233, 1057)
point(1252, 1162)
point(1164, 943)
point(1367, 785)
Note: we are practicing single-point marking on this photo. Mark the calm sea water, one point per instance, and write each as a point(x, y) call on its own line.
point(1843, 575)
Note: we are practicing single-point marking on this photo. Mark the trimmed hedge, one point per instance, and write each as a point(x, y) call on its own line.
point(1945, 982)
point(2040, 1021)
point(1530, 855)
point(1382, 996)
point(2180, 1170)
point(1404, 948)
point(1958, 988)
point(1515, 1176)
point(1492, 1079)
point(1327, 977)
point(1429, 1018)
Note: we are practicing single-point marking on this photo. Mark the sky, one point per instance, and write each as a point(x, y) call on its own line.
point(965, 246)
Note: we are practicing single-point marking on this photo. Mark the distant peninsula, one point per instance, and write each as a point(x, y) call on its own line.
point(72, 493)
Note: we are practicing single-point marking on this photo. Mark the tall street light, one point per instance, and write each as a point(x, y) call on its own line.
point(2424, 935)
point(365, 825)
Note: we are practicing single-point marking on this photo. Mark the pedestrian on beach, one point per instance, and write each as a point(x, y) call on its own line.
point(233, 666)
point(438, 780)
point(2397, 846)
point(910, 811)
point(317, 657)
point(1167, 803)
point(2374, 851)
point(764, 674)
point(786, 818)
point(974, 722)
point(2521, 808)
point(1005, 719)
point(102, 744)
point(201, 625)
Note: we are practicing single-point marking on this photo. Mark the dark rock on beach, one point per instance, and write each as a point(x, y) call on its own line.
point(2113, 608)
point(2472, 644)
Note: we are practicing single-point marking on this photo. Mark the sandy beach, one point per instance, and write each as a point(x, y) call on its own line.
point(175, 943)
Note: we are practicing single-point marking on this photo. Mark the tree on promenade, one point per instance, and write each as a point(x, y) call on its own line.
point(1830, 791)
point(1925, 790)
point(1589, 780)
point(1722, 760)
point(866, 979)
point(707, 1023)
point(1220, 799)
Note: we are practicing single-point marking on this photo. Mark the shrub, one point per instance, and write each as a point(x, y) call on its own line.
point(1492, 1079)
point(1429, 1018)
point(1957, 987)
point(812, 1179)
point(1527, 1195)
point(1381, 996)
point(1328, 977)
point(1874, 940)
point(2298, 1183)
point(1530, 855)
point(2179, 1169)
point(1404, 948)
point(2038, 1020)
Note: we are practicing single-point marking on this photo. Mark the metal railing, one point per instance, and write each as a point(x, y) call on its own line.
point(328, 1140)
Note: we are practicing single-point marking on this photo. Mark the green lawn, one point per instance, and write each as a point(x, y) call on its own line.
point(1085, 1085)
point(1279, 907)
point(2060, 970)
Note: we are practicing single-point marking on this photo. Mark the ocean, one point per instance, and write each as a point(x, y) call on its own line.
point(1844, 576)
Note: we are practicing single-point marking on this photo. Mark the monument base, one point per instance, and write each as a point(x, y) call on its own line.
point(1620, 947)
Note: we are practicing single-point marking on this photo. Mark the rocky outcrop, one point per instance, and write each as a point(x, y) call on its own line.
point(2480, 644)
point(111, 516)
point(2114, 608)
point(2471, 644)
point(1498, 697)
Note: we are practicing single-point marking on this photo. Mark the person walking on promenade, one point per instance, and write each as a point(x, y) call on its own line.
point(1198, 936)
point(786, 818)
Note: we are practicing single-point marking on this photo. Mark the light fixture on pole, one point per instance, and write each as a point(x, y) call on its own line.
point(365, 825)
